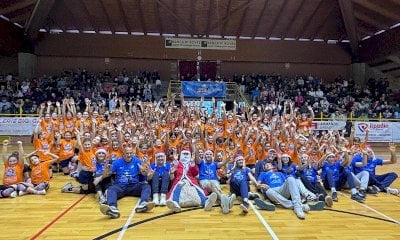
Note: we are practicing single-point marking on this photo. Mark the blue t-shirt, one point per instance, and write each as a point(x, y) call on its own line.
point(208, 170)
point(310, 173)
point(161, 169)
point(239, 175)
point(126, 172)
point(99, 168)
point(289, 170)
point(272, 179)
point(335, 168)
point(370, 166)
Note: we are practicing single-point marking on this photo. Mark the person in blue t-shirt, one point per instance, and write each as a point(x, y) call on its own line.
point(127, 171)
point(380, 182)
point(101, 184)
point(284, 190)
point(160, 178)
point(209, 180)
point(335, 175)
point(307, 172)
point(240, 176)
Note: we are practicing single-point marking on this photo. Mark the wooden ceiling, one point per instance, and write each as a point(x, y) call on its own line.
point(306, 20)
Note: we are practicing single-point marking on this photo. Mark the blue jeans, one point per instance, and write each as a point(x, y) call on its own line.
point(240, 188)
point(117, 191)
point(344, 177)
point(382, 181)
point(158, 180)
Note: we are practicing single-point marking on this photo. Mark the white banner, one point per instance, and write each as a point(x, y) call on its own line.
point(378, 131)
point(200, 43)
point(328, 125)
point(18, 125)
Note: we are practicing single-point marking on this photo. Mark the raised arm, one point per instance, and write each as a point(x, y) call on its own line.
point(393, 155)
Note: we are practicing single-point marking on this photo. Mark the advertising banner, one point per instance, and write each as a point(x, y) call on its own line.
point(203, 89)
point(18, 126)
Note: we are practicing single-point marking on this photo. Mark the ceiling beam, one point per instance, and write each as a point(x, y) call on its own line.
point(177, 18)
point(365, 18)
point(92, 23)
point(68, 10)
point(293, 19)
point(123, 15)
point(242, 19)
point(394, 59)
point(373, 6)
point(20, 17)
point(381, 45)
point(257, 25)
point(346, 8)
point(37, 18)
point(193, 17)
point(323, 21)
point(272, 27)
point(141, 17)
point(307, 22)
point(226, 17)
point(210, 10)
point(16, 6)
point(108, 19)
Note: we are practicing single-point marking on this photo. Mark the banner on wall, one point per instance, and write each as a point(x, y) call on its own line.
point(203, 89)
point(200, 43)
point(18, 126)
point(207, 107)
point(328, 125)
point(378, 131)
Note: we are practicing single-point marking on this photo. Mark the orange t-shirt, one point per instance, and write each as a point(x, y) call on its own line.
point(88, 159)
point(43, 146)
point(13, 175)
point(67, 148)
point(40, 172)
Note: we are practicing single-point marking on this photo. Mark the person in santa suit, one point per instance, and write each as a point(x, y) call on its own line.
point(185, 190)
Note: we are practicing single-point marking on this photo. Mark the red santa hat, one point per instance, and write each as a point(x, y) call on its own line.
point(159, 153)
point(101, 150)
point(238, 157)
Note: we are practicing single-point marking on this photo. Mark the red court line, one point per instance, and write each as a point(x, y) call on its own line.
point(57, 218)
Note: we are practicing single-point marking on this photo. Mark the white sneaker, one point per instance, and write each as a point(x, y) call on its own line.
point(41, 192)
point(67, 187)
point(212, 198)
point(111, 211)
point(224, 203)
point(102, 199)
point(13, 194)
point(174, 206)
point(156, 201)
point(305, 207)
point(232, 199)
point(163, 200)
point(393, 191)
point(299, 212)
point(144, 207)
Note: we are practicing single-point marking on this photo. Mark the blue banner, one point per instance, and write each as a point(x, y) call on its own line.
point(203, 89)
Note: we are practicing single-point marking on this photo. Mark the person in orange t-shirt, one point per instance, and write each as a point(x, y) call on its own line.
point(13, 171)
point(39, 175)
point(67, 151)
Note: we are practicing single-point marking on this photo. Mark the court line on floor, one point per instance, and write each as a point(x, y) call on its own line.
point(57, 218)
point(361, 215)
point(372, 209)
point(262, 220)
point(144, 221)
point(122, 233)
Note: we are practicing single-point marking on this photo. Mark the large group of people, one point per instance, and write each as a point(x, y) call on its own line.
point(179, 155)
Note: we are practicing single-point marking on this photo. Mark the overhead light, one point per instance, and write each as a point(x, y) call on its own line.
point(289, 39)
point(42, 30)
point(184, 35)
point(274, 38)
point(346, 40)
point(153, 34)
point(332, 41)
point(89, 31)
point(4, 17)
point(395, 26)
point(137, 33)
point(56, 30)
point(365, 38)
point(244, 37)
point(72, 31)
point(168, 34)
point(379, 32)
point(122, 33)
point(215, 36)
point(105, 32)
point(304, 39)
point(230, 37)
point(318, 40)
point(260, 38)
point(18, 25)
